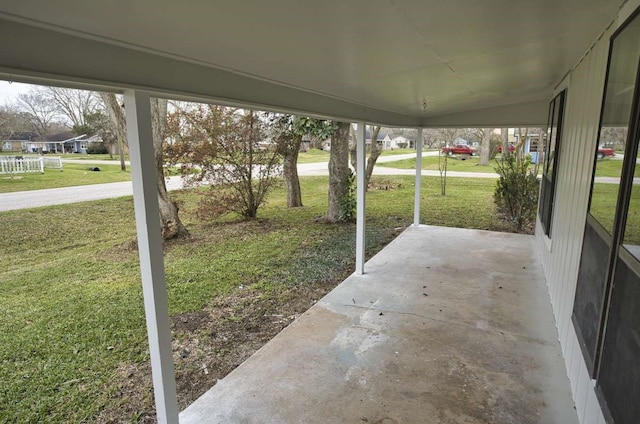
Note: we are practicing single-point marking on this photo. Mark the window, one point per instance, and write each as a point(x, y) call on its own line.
point(607, 298)
point(551, 158)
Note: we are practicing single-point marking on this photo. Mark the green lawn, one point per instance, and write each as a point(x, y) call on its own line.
point(81, 156)
point(453, 164)
point(603, 207)
point(71, 312)
point(71, 175)
point(313, 155)
point(397, 152)
point(612, 168)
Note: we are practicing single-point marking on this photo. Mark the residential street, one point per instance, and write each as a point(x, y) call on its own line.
point(58, 196)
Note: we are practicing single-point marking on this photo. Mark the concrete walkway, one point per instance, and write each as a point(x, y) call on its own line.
point(458, 331)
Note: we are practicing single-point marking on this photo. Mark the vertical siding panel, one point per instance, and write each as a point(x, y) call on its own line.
point(592, 414)
point(561, 256)
point(583, 392)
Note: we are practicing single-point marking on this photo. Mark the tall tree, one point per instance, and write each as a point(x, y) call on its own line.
point(118, 123)
point(339, 172)
point(74, 105)
point(375, 148)
point(485, 145)
point(43, 113)
point(288, 131)
point(504, 132)
point(172, 226)
point(12, 120)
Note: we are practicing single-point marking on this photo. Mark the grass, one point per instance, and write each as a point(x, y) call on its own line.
point(71, 310)
point(397, 152)
point(453, 164)
point(612, 168)
point(71, 175)
point(604, 200)
point(80, 156)
point(313, 156)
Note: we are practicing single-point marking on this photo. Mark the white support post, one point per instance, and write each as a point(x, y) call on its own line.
point(145, 198)
point(361, 195)
point(417, 195)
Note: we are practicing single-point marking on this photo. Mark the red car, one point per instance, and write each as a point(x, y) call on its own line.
point(605, 152)
point(512, 148)
point(459, 149)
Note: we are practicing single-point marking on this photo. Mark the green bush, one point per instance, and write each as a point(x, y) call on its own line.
point(349, 202)
point(516, 194)
point(97, 148)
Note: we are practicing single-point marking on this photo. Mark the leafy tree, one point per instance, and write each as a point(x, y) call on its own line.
point(221, 146)
point(287, 131)
point(98, 123)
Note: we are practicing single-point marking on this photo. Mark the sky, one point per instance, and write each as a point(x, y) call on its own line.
point(9, 91)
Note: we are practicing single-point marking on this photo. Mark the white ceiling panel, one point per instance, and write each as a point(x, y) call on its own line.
point(385, 55)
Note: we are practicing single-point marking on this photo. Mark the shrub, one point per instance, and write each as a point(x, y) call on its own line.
point(349, 202)
point(516, 194)
point(97, 148)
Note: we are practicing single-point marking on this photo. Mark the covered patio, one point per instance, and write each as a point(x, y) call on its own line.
point(459, 331)
point(448, 326)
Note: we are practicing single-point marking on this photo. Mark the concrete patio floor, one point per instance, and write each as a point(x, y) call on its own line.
point(446, 326)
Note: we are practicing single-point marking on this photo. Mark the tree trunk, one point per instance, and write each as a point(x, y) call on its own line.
point(373, 157)
point(353, 148)
point(118, 123)
point(172, 227)
point(290, 172)
point(485, 147)
point(505, 142)
point(338, 171)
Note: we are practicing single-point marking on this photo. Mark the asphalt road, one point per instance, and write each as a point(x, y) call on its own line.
point(59, 196)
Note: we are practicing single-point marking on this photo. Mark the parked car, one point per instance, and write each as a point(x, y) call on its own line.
point(459, 149)
point(512, 148)
point(605, 152)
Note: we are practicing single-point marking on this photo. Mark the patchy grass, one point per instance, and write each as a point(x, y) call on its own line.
point(397, 152)
point(71, 175)
point(462, 164)
point(313, 156)
point(97, 156)
point(72, 330)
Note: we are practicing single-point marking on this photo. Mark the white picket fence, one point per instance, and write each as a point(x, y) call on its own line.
point(52, 162)
point(18, 165)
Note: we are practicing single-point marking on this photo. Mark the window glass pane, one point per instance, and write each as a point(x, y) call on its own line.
point(552, 130)
point(632, 228)
point(615, 125)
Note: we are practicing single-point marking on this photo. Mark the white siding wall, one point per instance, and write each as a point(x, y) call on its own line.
point(561, 254)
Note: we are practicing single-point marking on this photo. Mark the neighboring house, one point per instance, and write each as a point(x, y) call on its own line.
point(383, 139)
point(399, 142)
point(18, 142)
point(64, 142)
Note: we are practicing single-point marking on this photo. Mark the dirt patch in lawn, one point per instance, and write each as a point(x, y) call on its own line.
point(209, 344)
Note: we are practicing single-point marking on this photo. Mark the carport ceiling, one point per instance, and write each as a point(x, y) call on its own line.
point(399, 61)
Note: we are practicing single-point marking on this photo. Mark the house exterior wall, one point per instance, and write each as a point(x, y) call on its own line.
point(561, 253)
